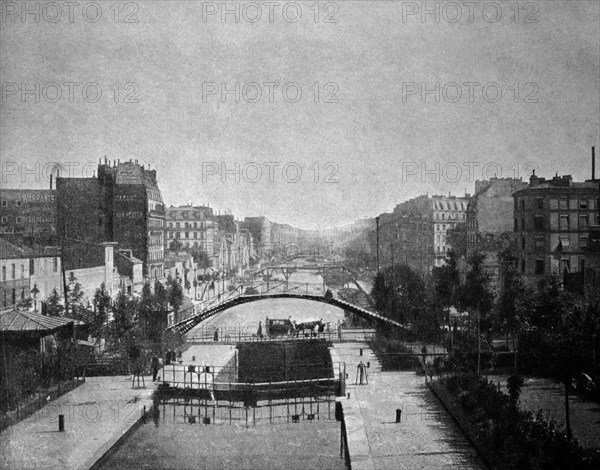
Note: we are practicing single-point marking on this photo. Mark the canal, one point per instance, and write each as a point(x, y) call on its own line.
point(299, 435)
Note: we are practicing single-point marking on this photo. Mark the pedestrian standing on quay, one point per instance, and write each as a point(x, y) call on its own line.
point(259, 333)
point(154, 367)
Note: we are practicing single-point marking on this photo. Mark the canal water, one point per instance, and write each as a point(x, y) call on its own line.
point(297, 435)
point(178, 439)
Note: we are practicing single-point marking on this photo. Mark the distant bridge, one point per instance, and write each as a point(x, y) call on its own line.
point(297, 291)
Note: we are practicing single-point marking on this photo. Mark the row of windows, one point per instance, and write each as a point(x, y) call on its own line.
point(449, 216)
point(564, 240)
point(560, 203)
point(5, 203)
point(565, 222)
point(22, 271)
point(200, 235)
point(201, 225)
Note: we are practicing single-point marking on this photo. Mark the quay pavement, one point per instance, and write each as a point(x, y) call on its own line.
point(425, 438)
point(97, 415)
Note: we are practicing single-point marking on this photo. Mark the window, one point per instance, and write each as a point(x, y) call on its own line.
point(538, 222)
point(19, 219)
point(22, 294)
point(539, 242)
point(523, 223)
point(583, 241)
point(4, 302)
point(31, 267)
point(14, 297)
point(563, 203)
point(565, 265)
point(583, 221)
point(55, 265)
point(22, 271)
point(539, 266)
point(583, 204)
point(516, 204)
point(563, 222)
point(14, 271)
point(523, 242)
point(177, 224)
point(516, 225)
point(4, 204)
point(522, 266)
point(540, 203)
point(4, 273)
point(187, 234)
point(565, 241)
point(18, 203)
point(522, 204)
point(4, 220)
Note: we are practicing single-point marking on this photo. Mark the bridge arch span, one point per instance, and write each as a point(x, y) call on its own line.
point(186, 325)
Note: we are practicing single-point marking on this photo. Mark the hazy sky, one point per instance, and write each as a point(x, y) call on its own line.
point(358, 156)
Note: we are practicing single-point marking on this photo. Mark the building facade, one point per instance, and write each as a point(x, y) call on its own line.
point(553, 223)
point(416, 232)
point(195, 228)
point(27, 213)
point(123, 204)
point(28, 273)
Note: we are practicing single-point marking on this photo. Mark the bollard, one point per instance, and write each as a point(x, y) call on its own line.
point(398, 415)
point(61, 423)
point(360, 352)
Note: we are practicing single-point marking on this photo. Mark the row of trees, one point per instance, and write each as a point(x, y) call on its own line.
point(551, 328)
point(123, 320)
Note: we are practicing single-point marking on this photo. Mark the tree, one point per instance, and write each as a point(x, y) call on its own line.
point(175, 245)
point(146, 306)
point(175, 297)
point(201, 258)
point(444, 283)
point(380, 292)
point(102, 307)
point(161, 311)
point(75, 296)
point(25, 304)
point(54, 307)
point(514, 302)
point(123, 316)
point(476, 296)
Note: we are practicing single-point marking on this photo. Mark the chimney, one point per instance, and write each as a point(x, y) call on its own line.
point(593, 163)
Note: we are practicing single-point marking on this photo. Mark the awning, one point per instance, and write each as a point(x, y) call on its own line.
point(16, 321)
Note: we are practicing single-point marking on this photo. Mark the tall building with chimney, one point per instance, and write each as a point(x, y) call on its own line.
point(556, 225)
point(122, 204)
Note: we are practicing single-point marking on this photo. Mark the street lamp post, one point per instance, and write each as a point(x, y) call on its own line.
point(35, 291)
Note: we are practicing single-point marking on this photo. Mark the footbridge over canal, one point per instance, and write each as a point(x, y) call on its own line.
point(302, 291)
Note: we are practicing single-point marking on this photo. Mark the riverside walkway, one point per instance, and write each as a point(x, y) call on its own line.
point(426, 437)
point(96, 416)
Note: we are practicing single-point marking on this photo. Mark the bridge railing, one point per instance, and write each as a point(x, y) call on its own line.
point(206, 336)
point(202, 376)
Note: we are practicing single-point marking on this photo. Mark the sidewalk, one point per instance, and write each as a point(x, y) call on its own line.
point(426, 437)
point(96, 414)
